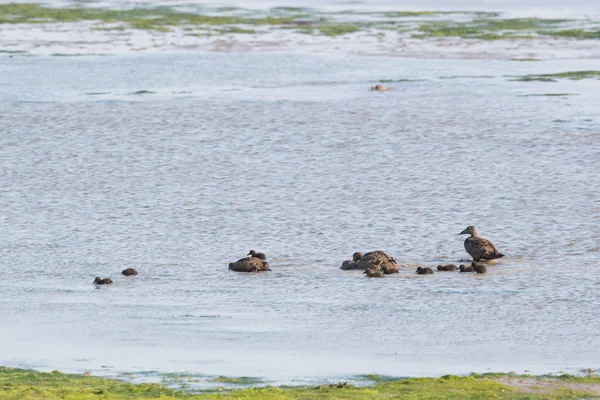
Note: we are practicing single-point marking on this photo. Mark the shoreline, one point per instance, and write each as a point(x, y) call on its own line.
point(441, 34)
point(20, 383)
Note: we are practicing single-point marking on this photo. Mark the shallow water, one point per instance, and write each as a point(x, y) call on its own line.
point(292, 155)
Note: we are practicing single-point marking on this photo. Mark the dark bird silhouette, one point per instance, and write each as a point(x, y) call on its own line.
point(447, 267)
point(464, 268)
point(479, 248)
point(424, 271)
point(374, 273)
point(129, 272)
point(249, 264)
point(105, 281)
point(262, 256)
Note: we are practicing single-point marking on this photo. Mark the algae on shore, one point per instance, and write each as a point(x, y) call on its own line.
point(27, 384)
point(415, 24)
point(573, 75)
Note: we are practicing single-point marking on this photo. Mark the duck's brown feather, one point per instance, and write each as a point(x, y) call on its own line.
point(481, 249)
point(249, 264)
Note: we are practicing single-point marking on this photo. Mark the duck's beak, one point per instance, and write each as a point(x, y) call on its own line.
point(464, 232)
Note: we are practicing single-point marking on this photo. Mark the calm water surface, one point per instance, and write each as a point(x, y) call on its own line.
point(294, 156)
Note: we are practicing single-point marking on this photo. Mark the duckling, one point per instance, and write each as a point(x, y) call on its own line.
point(357, 256)
point(252, 253)
point(129, 272)
point(464, 268)
point(447, 267)
point(479, 248)
point(105, 281)
point(348, 265)
point(380, 88)
point(389, 268)
point(374, 273)
point(424, 271)
point(373, 260)
point(480, 268)
point(249, 264)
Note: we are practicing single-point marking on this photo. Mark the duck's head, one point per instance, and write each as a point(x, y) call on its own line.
point(251, 253)
point(357, 256)
point(469, 230)
point(97, 279)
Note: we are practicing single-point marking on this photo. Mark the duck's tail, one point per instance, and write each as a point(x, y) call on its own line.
point(497, 255)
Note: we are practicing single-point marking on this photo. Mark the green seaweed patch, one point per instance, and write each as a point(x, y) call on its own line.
point(525, 59)
point(241, 380)
point(548, 95)
point(97, 93)
point(490, 29)
point(157, 18)
point(573, 33)
point(19, 383)
point(467, 77)
point(12, 51)
point(398, 80)
point(80, 54)
point(573, 75)
point(143, 92)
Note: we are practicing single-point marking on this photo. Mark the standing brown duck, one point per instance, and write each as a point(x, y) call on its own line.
point(479, 248)
point(249, 264)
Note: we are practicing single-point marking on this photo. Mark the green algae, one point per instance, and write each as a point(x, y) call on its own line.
point(525, 59)
point(573, 33)
point(27, 384)
point(572, 75)
point(234, 20)
point(548, 95)
point(493, 29)
point(242, 380)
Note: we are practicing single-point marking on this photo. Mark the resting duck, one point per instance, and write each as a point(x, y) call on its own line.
point(252, 253)
point(105, 281)
point(374, 273)
point(380, 88)
point(447, 267)
point(129, 272)
point(424, 271)
point(373, 260)
point(249, 264)
point(479, 268)
point(479, 248)
point(464, 268)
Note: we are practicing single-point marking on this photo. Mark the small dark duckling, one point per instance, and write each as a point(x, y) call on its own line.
point(463, 268)
point(357, 256)
point(105, 281)
point(447, 267)
point(389, 268)
point(129, 272)
point(380, 88)
point(424, 271)
point(480, 268)
point(348, 265)
point(374, 273)
point(252, 253)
